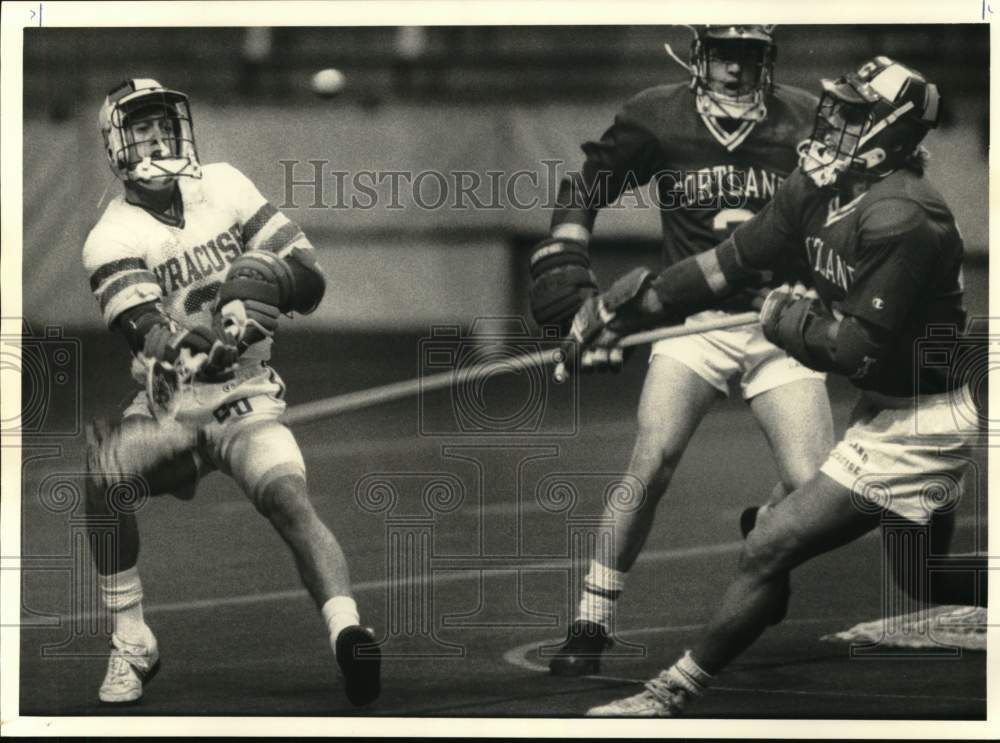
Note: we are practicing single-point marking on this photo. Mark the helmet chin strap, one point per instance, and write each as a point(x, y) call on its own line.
point(822, 168)
point(722, 106)
point(170, 167)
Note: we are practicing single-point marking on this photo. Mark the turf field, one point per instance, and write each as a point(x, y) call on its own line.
point(489, 524)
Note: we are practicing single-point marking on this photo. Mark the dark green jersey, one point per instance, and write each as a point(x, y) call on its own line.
point(891, 257)
point(710, 174)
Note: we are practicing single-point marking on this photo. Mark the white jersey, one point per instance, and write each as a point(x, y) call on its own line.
point(133, 256)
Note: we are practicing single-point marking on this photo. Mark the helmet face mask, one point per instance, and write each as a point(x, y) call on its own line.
point(833, 146)
point(148, 133)
point(732, 70)
point(869, 123)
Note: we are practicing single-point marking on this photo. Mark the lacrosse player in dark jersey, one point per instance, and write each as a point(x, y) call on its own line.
point(717, 148)
point(885, 255)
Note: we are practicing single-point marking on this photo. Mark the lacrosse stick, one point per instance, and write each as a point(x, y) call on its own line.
point(168, 382)
point(338, 404)
point(561, 374)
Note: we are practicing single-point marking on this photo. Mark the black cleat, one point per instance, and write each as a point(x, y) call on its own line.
point(360, 660)
point(580, 655)
point(748, 520)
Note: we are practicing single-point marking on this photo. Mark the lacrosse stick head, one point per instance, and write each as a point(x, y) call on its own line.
point(167, 384)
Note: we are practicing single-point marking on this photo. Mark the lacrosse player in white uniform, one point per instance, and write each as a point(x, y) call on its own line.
point(194, 268)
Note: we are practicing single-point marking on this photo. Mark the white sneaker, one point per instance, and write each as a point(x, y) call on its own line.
point(129, 667)
point(663, 697)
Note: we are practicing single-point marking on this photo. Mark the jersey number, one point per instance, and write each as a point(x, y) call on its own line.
point(236, 407)
point(727, 220)
point(196, 299)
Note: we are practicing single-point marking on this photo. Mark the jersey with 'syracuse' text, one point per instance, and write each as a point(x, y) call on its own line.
point(133, 256)
point(892, 257)
point(710, 174)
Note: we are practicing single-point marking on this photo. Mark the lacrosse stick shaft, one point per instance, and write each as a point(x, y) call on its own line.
point(351, 401)
point(319, 409)
point(678, 331)
point(673, 331)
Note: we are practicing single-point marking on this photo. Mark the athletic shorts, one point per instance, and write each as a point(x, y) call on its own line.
point(721, 355)
point(907, 455)
point(231, 427)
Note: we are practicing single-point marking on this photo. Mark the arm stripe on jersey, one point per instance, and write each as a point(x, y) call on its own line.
point(284, 235)
point(110, 269)
point(258, 220)
point(116, 286)
point(301, 242)
point(708, 262)
point(572, 231)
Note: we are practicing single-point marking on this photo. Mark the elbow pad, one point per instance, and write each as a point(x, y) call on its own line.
point(309, 280)
point(292, 284)
point(848, 346)
point(857, 349)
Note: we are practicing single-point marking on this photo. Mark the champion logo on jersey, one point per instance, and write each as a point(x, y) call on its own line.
point(878, 303)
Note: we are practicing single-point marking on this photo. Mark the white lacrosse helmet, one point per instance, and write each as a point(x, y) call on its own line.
point(145, 99)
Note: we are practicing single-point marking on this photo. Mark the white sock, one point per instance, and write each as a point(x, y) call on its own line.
point(601, 588)
point(690, 675)
point(122, 594)
point(338, 613)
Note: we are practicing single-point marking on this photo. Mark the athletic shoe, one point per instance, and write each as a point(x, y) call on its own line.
point(662, 697)
point(580, 655)
point(748, 520)
point(130, 667)
point(360, 661)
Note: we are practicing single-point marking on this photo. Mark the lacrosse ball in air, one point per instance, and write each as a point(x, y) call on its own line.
point(328, 83)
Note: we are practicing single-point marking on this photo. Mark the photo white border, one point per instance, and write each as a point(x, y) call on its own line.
point(15, 16)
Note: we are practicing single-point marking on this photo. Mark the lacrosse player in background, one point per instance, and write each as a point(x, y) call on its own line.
point(885, 256)
point(194, 268)
point(717, 148)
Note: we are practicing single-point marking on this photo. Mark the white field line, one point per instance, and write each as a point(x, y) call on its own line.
point(517, 657)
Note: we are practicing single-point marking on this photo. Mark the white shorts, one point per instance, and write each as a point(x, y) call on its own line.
point(720, 355)
point(232, 427)
point(906, 455)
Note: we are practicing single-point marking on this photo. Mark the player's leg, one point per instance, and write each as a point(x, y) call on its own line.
point(792, 407)
point(673, 403)
point(265, 460)
point(797, 421)
point(674, 400)
point(126, 462)
point(818, 517)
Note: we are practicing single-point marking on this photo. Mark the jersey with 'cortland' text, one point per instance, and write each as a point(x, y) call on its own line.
point(133, 257)
point(891, 257)
point(710, 174)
